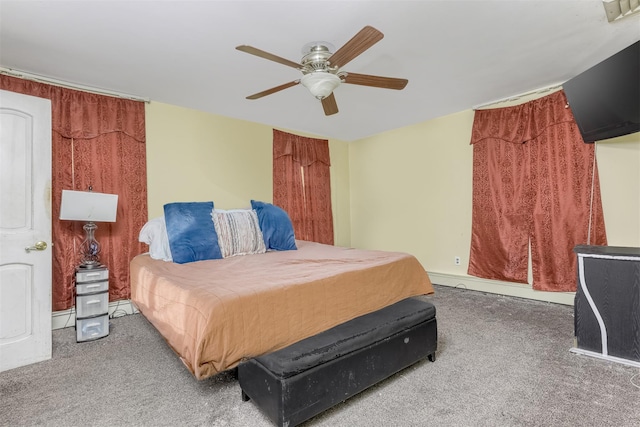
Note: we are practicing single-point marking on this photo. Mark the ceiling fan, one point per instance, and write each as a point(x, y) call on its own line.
point(321, 68)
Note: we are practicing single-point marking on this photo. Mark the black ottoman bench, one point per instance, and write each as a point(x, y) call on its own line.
point(298, 382)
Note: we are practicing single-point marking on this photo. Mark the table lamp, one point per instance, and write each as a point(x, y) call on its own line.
point(89, 207)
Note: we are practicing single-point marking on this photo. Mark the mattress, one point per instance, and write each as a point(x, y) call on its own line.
point(216, 313)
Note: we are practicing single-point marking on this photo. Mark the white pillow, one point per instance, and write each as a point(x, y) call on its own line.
point(238, 232)
point(154, 234)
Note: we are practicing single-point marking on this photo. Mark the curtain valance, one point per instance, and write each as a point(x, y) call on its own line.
point(304, 151)
point(84, 115)
point(521, 123)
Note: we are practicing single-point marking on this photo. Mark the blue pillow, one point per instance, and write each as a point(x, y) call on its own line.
point(276, 226)
point(192, 235)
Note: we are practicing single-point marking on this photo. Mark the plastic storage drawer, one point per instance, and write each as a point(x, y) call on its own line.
point(92, 305)
point(92, 275)
point(92, 287)
point(92, 328)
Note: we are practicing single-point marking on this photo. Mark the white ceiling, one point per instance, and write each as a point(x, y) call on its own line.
point(455, 54)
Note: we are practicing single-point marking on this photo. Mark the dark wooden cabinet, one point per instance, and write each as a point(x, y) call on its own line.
point(607, 303)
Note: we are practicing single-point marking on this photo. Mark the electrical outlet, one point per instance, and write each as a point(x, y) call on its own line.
point(456, 260)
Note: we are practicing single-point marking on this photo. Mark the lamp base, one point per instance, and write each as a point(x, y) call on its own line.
point(90, 248)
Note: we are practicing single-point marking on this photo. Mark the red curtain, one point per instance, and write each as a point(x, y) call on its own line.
point(97, 141)
point(302, 185)
point(535, 183)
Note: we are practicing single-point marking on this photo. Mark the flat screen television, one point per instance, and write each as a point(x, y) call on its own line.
point(605, 99)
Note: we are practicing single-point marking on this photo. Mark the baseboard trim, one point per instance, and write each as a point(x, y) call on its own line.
point(67, 318)
point(604, 357)
point(502, 288)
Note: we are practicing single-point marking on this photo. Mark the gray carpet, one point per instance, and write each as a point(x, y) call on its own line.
point(501, 361)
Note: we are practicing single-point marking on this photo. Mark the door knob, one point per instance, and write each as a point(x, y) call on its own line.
point(39, 246)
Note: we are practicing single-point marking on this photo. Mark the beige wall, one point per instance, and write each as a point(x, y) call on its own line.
point(197, 156)
point(619, 171)
point(411, 191)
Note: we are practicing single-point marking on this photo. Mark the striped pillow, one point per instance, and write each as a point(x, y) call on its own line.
point(238, 232)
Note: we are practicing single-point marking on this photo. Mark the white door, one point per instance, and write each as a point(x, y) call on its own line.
point(25, 222)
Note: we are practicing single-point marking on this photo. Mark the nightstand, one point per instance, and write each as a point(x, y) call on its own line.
point(92, 303)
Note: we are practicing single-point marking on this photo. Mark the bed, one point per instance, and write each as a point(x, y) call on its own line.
point(215, 313)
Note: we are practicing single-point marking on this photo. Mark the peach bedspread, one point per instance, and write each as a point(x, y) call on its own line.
point(215, 313)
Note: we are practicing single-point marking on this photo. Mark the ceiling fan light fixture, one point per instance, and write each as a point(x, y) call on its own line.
point(321, 84)
point(321, 68)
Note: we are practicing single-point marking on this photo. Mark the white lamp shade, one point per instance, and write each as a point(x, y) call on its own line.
point(88, 206)
point(320, 83)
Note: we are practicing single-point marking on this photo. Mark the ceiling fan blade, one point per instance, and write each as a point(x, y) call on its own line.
point(362, 41)
point(329, 105)
point(375, 81)
point(273, 90)
point(266, 55)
